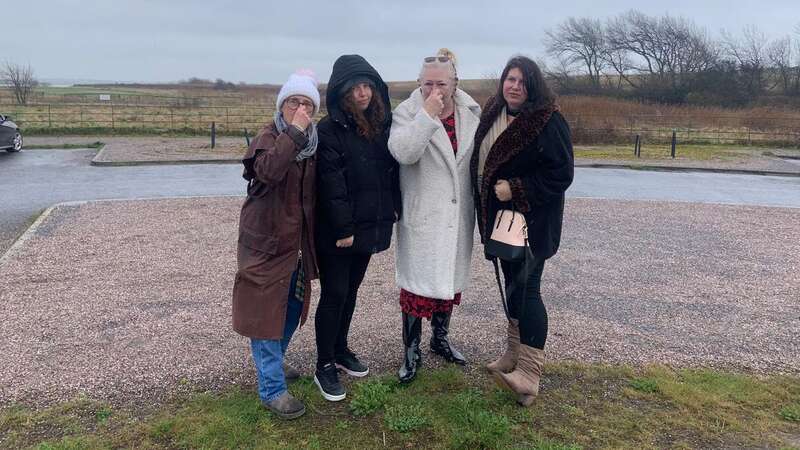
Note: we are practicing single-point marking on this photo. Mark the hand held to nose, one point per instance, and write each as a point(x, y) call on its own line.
point(434, 104)
point(301, 118)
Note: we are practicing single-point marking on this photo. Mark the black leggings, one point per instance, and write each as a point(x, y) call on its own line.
point(340, 277)
point(527, 306)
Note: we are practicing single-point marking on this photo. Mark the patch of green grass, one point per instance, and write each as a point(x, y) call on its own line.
point(481, 429)
point(406, 417)
point(791, 412)
point(690, 152)
point(369, 396)
point(103, 414)
point(235, 421)
point(580, 406)
point(73, 443)
point(547, 444)
point(645, 385)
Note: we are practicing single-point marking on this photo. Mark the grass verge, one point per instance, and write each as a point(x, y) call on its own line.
point(581, 406)
point(687, 152)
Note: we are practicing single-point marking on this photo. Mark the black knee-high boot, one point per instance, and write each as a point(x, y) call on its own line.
point(440, 323)
point(412, 358)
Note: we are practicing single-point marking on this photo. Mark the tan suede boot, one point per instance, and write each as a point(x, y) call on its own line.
point(508, 361)
point(524, 380)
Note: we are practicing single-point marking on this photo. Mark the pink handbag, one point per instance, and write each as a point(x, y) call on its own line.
point(509, 238)
point(509, 242)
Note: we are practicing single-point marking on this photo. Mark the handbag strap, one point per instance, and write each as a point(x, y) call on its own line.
point(525, 272)
point(500, 287)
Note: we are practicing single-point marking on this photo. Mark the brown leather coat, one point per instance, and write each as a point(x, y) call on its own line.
point(276, 222)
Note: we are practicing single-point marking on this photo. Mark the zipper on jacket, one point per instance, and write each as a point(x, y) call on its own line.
point(302, 215)
point(377, 215)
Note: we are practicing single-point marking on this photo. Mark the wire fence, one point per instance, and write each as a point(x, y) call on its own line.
point(157, 118)
point(717, 129)
point(586, 128)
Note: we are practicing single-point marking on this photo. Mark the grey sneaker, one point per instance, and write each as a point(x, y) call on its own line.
point(290, 373)
point(286, 406)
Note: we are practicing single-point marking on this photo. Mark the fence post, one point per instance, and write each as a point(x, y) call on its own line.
point(213, 134)
point(112, 116)
point(672, 151)
point(81, 116)
point(171, 122)
point(749, 142)
point(638, 147)
point(49, 117)
point(246, 137)
point(227, 120)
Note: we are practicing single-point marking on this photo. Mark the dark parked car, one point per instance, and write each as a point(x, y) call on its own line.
point(10, 135)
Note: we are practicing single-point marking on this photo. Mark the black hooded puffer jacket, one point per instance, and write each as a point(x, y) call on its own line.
point(358, 187)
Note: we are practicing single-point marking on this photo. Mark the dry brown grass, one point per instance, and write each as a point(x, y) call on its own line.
point(592, 119)
point(603, 111)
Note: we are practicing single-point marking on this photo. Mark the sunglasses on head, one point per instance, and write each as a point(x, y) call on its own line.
point(430, 59)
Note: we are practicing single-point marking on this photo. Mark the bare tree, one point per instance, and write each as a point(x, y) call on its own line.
point(620, 62)
point(20, 79)
point(579, 40)
point(750, 54)
point(796, 83)
point(562, 75)
point(667, 50)
point(779, 54)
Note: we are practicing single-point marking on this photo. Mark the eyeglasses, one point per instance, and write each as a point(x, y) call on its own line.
point(430, 59)
point(294, 103)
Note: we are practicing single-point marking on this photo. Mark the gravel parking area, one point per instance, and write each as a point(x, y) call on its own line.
point(130, 301)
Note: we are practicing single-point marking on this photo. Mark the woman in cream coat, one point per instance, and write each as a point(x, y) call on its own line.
point(432, 138)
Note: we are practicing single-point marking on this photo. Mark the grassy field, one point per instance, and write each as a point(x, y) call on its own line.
point(581, 406)
point(142, 109)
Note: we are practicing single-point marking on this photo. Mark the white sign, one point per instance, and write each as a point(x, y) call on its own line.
point(105, 97)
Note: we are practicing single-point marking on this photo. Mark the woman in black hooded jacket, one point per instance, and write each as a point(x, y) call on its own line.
point(358, 203)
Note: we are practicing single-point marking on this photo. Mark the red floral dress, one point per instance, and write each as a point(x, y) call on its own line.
point(418, 305)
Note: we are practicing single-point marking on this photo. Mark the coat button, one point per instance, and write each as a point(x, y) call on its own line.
point(453, 201)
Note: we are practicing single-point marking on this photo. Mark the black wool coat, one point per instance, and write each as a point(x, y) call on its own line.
point(357, 179)
point(535, 155)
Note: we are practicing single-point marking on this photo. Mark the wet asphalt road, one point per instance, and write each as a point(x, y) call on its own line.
point(31, 181)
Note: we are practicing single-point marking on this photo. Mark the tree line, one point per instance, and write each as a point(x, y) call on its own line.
point(671, 59)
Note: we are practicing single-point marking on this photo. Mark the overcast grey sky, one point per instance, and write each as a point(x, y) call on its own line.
point(264, 41)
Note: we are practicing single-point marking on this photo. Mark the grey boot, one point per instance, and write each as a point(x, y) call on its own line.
point(286, 406)
point(508, 362)
point(290, 373)
point(524, 380)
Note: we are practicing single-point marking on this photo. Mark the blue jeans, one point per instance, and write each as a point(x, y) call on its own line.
point(268, 353)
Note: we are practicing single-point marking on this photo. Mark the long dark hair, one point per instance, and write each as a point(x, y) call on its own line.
point(369, 122)
point(539, 93)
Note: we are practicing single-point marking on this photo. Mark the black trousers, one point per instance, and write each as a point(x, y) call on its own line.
point(525, 300)
point(340, 277)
